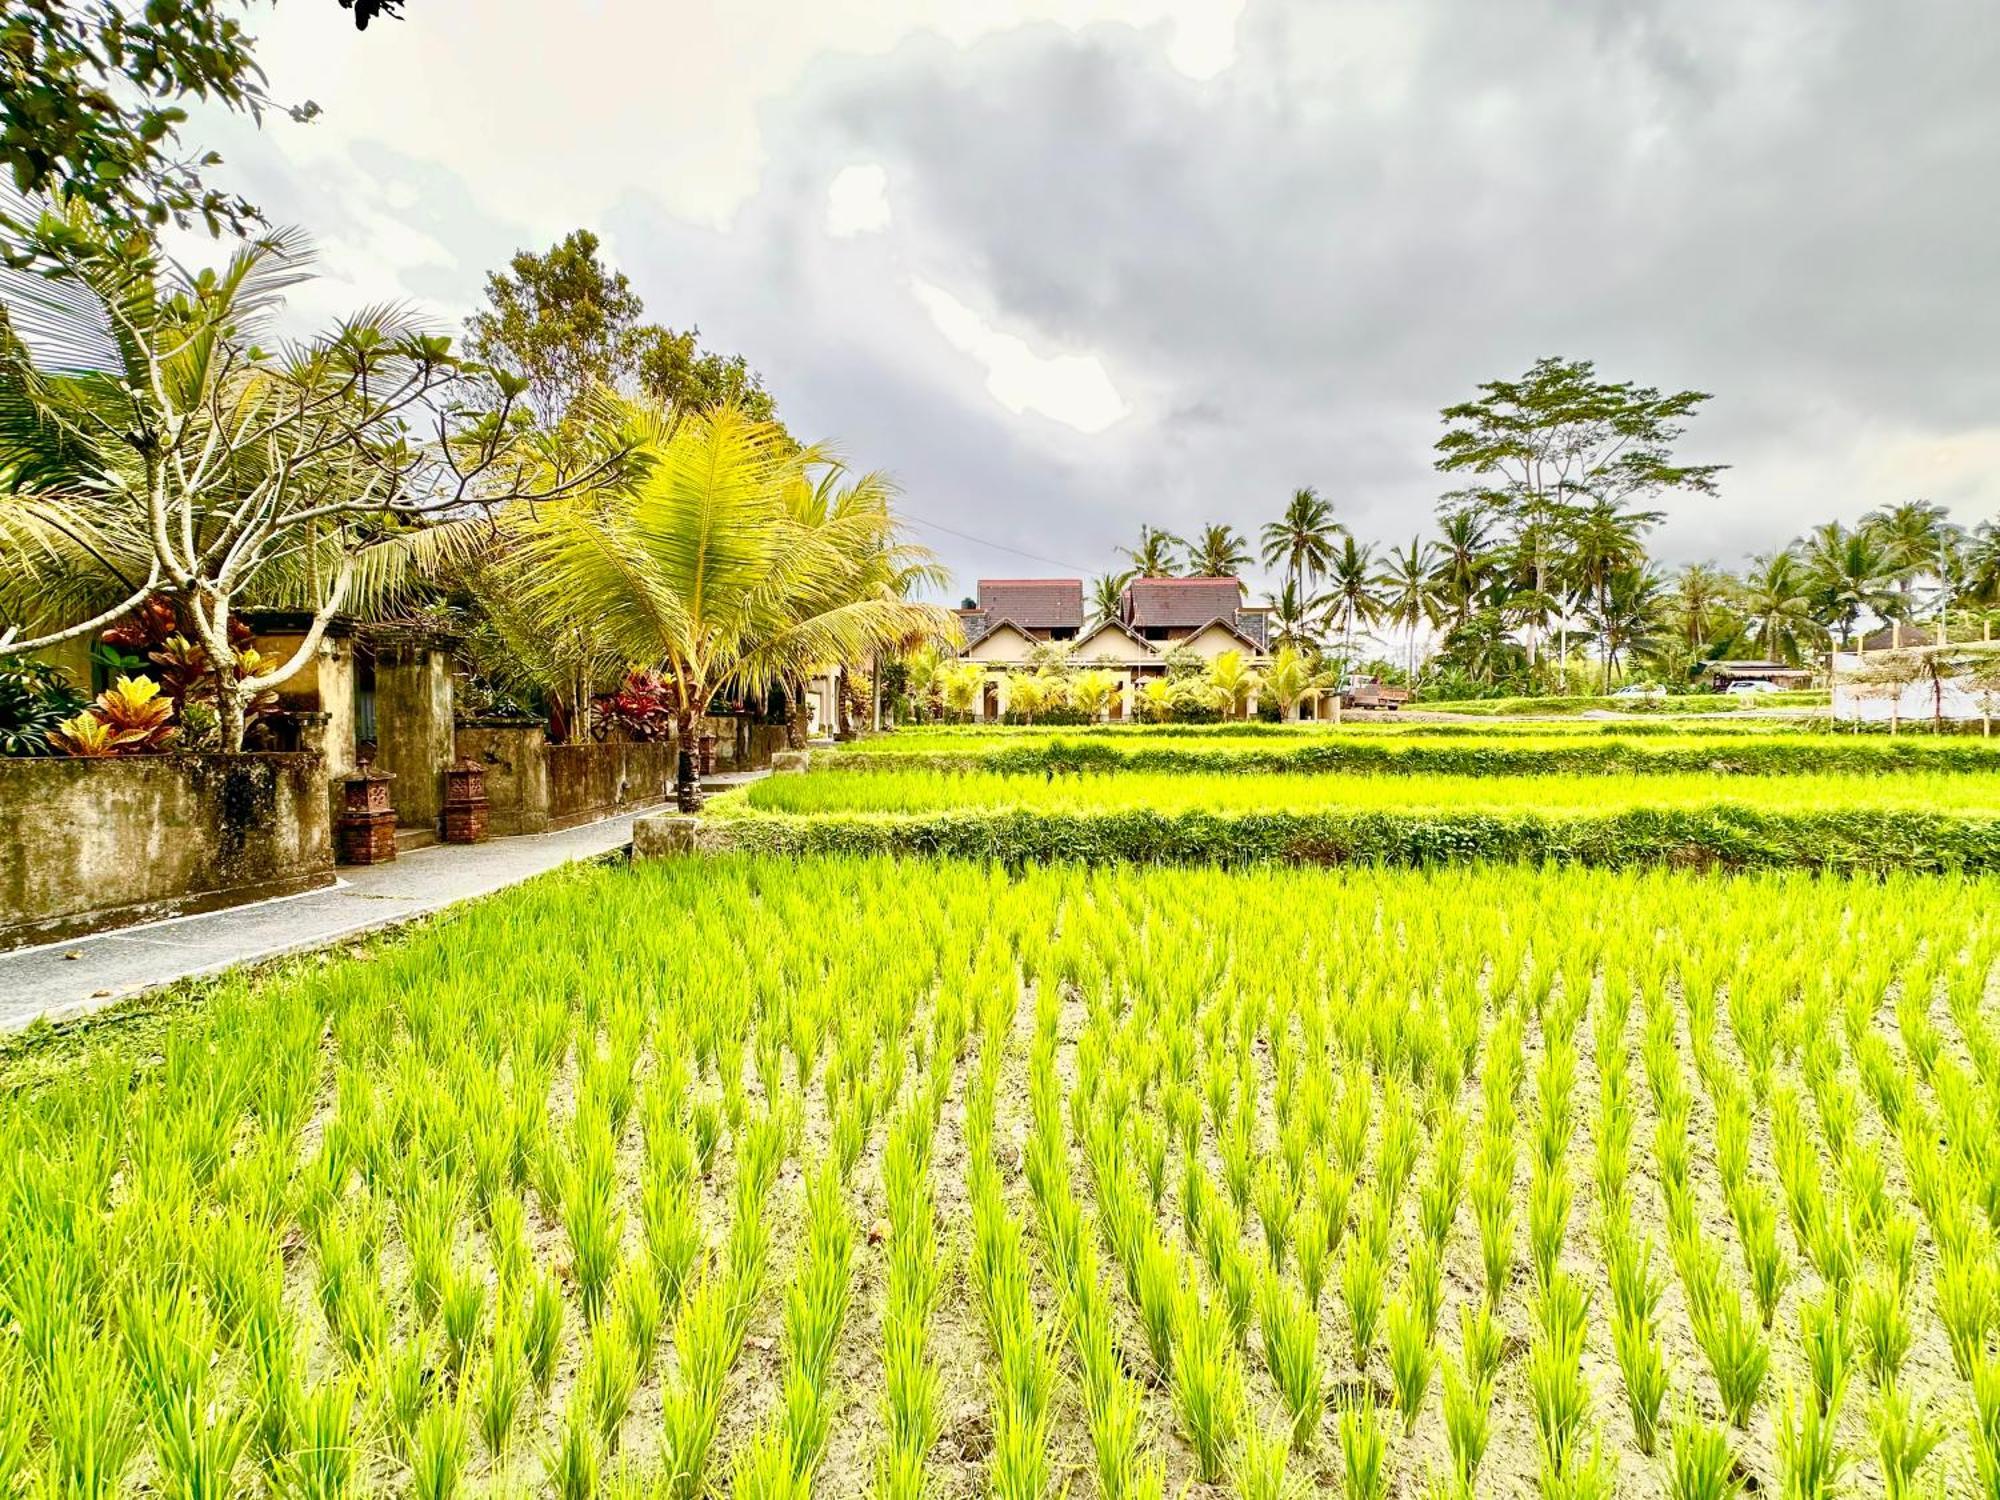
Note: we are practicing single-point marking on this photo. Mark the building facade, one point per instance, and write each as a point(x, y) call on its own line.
point(1018, 624)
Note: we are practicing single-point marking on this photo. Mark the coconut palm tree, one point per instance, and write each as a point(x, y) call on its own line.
point(1301, 541)
point(1409, 586)
point(1700, 604)
point(1628, 616)
point(1354, 597)
point(1922, 541)
point(1979, 567)
point(1604, 541)
point(727, 559)
point(1107, 596)
point(1851, 573)
point(1218, 553)
point(1777, 602)
point(1292, 618)
point(1465, 562)
point(1154, 556)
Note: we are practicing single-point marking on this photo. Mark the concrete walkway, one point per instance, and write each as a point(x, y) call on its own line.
point(61, 980)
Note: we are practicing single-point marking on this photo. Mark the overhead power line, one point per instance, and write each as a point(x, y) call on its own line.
point(1054, 562)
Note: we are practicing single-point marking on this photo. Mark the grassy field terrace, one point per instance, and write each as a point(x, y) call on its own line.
point(689, 1179)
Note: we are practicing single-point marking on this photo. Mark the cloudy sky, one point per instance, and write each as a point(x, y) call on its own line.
point(1064, 266)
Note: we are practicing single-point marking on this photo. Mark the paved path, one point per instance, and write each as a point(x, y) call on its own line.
point(114, 966)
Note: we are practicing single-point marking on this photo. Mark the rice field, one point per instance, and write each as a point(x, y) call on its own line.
point(1588, 748)
point(920, 790)
point(856, 1177)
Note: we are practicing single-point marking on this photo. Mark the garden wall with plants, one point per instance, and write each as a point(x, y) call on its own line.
point(106, 842)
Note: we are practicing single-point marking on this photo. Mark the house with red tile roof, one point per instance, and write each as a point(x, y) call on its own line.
point(1019, 624)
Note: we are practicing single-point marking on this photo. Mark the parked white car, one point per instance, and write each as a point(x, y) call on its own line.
point(1749, 689)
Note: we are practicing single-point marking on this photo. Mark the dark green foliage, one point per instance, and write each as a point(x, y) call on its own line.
point(34, 698)
point(1714, 838)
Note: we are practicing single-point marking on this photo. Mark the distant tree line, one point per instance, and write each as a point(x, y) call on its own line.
point(1537, 576)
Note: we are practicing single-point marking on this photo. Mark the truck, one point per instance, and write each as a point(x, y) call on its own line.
point(1372, 692)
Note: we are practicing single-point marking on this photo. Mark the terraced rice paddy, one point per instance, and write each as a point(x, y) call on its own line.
point(929, 1178)
point(849, 1177)
point(920, 790)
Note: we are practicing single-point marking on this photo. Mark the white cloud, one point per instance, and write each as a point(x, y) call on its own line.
point(553, 121)
point(1070, 388)
point(857, 202)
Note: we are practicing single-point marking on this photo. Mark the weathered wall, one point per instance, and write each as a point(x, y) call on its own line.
point(592, 781)
point(413, 728)
point(517, 780)
point(88, 844)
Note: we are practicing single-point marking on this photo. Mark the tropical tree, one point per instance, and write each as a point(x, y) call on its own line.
point(1154, 556)
point(959, 686)
point(1301, 541)
point(1922, 541)
point(1218, 553)
point(1699, 604)
point(1464, 562)
point(1091, 692)
point(1232, 682)
point(1851, 573)
point(1409, 585)
point(1354, 597)
point(156, 444)
point(1777, 602)
point(569, 324)
point(1023, 695)
point(1107, 593)
point(1290, 680)
point(1979, 566)
point(1292, 618)
point(1607, 543)
point(716, 565)
point(1627, 616)
point(95, 97)
point(1559, 438)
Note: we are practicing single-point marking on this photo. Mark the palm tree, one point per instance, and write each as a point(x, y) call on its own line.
point(1776, 596)
point(1233, 683)
point(1628, 616)
point(1301, 541)
point(1409, 586)
point(1107, 595)
point(1921, 540)
point(1354, 598)
point(1154, 556)
point(1464, 563)
point(1979, 567)
point(718, 564)
point(1851, 573)
point(1292, 618)
point(1290, 679)
point(1604, 541)
point(1700, 602)
point(1218, 553)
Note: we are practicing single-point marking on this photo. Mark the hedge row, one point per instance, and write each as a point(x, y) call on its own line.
point(1673, 703)
point(1746, 757)
point(1720, 838)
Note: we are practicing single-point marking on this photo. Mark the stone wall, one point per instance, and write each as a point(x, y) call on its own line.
point(413, 726)
point(534, 787)
point(89, 844)
point(592, 781)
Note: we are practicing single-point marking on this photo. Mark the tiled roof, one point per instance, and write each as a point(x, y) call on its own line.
point(1034, 603)
point(1180, 601)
